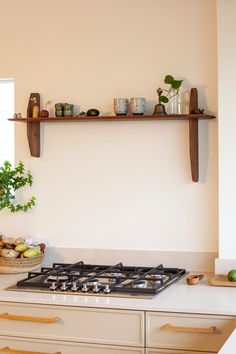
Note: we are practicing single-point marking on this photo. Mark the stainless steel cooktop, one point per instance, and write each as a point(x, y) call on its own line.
point(100, 280)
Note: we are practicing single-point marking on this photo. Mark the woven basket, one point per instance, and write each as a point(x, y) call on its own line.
point(19, 265)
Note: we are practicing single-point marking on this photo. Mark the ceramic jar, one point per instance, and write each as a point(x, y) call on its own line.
point(137, 105)
point(68, 110)
point(59, 110)
point(121, 106)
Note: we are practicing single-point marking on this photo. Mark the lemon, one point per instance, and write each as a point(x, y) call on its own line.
point(232, 275)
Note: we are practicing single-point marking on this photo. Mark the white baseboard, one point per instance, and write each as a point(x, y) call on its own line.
point(194, 261)
point(223, 266)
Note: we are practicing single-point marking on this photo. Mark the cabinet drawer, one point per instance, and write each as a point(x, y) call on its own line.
point(53, 347)
point(88, 325)
point(188, 331)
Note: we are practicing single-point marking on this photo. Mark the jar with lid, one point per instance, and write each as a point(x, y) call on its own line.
point(59, 110)
point(68, 110)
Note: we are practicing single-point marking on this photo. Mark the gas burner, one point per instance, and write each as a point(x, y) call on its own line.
point(57, 278)
point(154, 276)
point(114, 274)
point(157, 278)
point(139, 284)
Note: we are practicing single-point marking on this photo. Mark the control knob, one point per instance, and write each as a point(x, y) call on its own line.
point(84, 288)
point(63, 286)
point(53, 286)
point(74, 286)
point(107, 289)
point(95, 288)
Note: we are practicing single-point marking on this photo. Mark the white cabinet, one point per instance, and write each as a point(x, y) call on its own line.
point(52, 329)
point(183, 332)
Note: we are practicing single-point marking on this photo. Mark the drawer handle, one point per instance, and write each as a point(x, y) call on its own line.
point(208, 330)
point(7, 350)
point(7, 316)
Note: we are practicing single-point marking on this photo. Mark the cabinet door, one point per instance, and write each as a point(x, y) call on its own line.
point(188, 331)
point(56, 347)
point(75, 324)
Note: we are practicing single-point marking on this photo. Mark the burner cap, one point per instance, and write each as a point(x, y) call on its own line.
point(57, 277)
point(140, 284)
point(154, 276)
point(114, 274)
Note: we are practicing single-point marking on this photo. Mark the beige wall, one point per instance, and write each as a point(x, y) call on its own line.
point(227, 126)
point(122, 184)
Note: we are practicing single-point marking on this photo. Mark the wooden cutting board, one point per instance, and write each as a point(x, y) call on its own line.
point(221, 280)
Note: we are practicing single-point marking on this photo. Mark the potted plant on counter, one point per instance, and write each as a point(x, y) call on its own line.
point(12, 179)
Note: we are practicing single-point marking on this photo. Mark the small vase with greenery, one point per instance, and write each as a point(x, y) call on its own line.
point(12, 179)
point(171, 94)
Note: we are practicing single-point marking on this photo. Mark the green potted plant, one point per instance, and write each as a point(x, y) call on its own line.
point(12, 179)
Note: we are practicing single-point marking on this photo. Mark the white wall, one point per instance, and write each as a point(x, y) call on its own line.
point(121, 184)
point(227, 126)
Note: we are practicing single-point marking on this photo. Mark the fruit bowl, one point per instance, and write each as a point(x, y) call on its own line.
point(20, 265)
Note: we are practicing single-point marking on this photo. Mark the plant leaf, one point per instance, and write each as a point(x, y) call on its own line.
point(168, 79)
point(164, 99)
point(176, 84)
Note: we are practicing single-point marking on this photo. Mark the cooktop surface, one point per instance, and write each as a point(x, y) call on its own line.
point(103, 280)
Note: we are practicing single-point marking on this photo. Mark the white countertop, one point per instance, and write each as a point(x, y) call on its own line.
point(179, 297)
point(230, 344)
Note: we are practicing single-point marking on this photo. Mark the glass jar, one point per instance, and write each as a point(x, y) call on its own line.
point(174, 106)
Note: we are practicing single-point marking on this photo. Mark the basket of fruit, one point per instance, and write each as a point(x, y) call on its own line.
point(18, 256)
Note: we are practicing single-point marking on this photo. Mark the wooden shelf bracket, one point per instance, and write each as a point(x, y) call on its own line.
point(193, 135)
point(33, 135)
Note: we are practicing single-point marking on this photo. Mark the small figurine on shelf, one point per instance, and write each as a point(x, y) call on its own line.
point(160, 107)
point(34, 104)
point(35, 111)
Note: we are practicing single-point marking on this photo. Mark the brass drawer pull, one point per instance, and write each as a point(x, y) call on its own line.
point(208, 330)
point(7, 316)
point(7, 350)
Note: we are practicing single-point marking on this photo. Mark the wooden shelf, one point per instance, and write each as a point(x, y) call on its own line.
point(116, 118)
point(33, 130)
point(33, 127)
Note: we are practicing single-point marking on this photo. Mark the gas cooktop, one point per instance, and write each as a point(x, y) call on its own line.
point(105, 280)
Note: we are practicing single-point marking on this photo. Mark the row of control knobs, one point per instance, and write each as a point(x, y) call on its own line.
point(64, 286)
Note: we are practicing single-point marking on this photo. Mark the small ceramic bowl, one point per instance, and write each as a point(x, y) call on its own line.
point(193, 279)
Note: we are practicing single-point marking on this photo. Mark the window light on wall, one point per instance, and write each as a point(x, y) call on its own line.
point(7, 89)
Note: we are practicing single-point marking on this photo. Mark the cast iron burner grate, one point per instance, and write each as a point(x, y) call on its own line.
point(88, 279)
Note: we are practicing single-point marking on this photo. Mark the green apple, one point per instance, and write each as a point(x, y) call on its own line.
point(232, 275)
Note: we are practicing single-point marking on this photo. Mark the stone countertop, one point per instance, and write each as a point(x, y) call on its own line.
point(179, 297)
